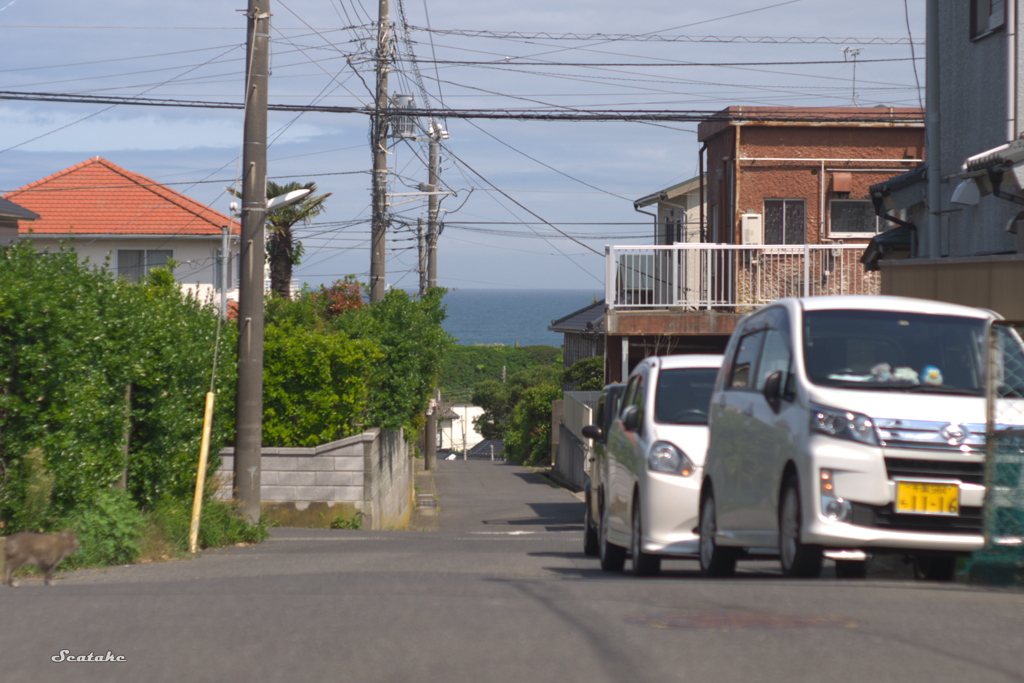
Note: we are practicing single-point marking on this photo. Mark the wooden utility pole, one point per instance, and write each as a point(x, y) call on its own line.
point(249, 400)
point(379, 140)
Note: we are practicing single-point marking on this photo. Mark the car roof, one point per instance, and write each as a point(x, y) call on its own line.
point(888, 303)
point(691, 360)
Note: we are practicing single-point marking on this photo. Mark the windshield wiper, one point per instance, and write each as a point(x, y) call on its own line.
point(940, 389)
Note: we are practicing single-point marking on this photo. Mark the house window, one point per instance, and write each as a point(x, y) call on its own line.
point(853, 218)
point(135, 264)
point(784, 221)
point(987, 16)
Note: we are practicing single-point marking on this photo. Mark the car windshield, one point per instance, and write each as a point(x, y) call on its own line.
point(683, 395)
point(894, 351)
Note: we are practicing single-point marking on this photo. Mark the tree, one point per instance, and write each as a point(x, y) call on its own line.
point(283, 250)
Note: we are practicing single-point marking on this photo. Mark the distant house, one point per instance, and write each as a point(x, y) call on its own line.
point(962, 233)
point(10, 215)
point(678, 211)
point(583, 336)
point(111, 215)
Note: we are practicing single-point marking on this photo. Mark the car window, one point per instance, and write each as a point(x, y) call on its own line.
point(894, 351)
point(634, 393)
point(682, 395)
point(775, 357)
point(744, 366)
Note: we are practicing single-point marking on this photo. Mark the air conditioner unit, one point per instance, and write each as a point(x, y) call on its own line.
point(751, 228)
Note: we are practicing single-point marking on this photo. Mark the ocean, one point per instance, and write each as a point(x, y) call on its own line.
point(511, 316)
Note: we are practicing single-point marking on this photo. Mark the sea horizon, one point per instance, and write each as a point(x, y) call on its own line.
point(511, 317)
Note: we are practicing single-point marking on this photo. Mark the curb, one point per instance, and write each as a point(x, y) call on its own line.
point(425, 514)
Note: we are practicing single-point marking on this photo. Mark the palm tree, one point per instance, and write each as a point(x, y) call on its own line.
point(283, 250)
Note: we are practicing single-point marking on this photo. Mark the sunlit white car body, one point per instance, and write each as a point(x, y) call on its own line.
point(889, 430)
point(668, 501)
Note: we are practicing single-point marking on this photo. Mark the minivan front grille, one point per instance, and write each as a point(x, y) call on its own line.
point(929, 435)
point(960, 470)
point(969, 521)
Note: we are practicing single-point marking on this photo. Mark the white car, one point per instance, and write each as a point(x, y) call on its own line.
point(843, 427)
point(655, 452)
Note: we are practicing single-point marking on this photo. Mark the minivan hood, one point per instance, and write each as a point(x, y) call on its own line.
point(903, 405)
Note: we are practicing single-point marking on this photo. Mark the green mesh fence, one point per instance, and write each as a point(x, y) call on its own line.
point(1004, 470)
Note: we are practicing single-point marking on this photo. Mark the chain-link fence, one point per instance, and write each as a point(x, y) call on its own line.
point(1004, 471)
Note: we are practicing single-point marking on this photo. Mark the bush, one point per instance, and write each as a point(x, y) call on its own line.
point(220, 524)
point(110, 530)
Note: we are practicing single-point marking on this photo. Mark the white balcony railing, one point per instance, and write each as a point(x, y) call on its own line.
point(710, 276)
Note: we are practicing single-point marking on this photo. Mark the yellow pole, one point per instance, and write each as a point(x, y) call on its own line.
point(204, 453)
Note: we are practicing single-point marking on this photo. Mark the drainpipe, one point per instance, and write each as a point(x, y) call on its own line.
point(930, 248)
point(1011, 69)
point(700, 174)
point(737, 236)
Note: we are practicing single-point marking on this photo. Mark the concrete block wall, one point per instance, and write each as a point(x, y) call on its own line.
point(369, 473)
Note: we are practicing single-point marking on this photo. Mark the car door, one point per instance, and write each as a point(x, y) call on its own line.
point(621, 446)
point(769, 427)
point(733, 439)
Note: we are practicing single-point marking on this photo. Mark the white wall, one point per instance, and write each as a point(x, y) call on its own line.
point(455, 438)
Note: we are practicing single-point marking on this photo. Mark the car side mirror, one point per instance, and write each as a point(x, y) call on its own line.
point(631, 418)
point(773, 390)
point(593, 432)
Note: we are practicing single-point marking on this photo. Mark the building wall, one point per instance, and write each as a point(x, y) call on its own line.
point(196, 257)
point(972, 119)
point(453, 437)
point(823, 151)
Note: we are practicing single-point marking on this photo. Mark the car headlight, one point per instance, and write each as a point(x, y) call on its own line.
point(843, 424)
point(665, 457)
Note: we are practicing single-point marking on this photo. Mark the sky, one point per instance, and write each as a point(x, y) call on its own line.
point(533, 203)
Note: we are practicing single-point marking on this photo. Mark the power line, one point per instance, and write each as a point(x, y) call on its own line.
point(663, 38)
point(762, 114)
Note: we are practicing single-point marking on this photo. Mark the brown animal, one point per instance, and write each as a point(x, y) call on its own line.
point(43, 550)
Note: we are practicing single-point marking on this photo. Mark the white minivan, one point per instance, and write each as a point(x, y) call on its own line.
point(843, 427)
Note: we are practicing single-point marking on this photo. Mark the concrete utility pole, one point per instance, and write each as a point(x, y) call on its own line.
point(434, 134)
point(249, 401)
point(379, 140)
point(421, 251)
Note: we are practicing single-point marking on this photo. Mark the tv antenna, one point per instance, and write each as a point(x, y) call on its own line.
point(850, 54)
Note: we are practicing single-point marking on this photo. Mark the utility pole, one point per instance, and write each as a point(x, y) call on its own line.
point(379, 140)
point(421, 251)
point(249, 400)
point(434, 133)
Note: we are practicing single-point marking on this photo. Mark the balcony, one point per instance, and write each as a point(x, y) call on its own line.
point(730, 278)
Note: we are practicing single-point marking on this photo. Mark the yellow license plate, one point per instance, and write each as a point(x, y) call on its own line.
point(923, 498)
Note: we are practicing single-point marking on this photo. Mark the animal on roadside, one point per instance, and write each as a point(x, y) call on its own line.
point(42, 550)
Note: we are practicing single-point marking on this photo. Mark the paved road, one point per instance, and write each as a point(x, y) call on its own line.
point(500, 592)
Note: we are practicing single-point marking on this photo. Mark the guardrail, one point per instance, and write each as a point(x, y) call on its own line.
point(709, 276)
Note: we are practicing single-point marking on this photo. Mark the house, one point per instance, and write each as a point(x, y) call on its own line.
point(583, 335)
point(786, 211)
point(10, 215)
point(112, 215)
point(678, 212)
point(961, 239)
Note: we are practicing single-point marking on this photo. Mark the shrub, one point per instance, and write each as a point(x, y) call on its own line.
point(110, 530)
point(220, 524)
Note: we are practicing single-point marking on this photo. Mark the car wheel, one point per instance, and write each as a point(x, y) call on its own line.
point(613, 558)
point(798, 559)
point(851, 569)
point(934, 568)
point(714, 559)
point(644, 564)
point(591, 542)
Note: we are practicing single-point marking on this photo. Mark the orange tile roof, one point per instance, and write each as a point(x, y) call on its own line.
point(99, 197)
